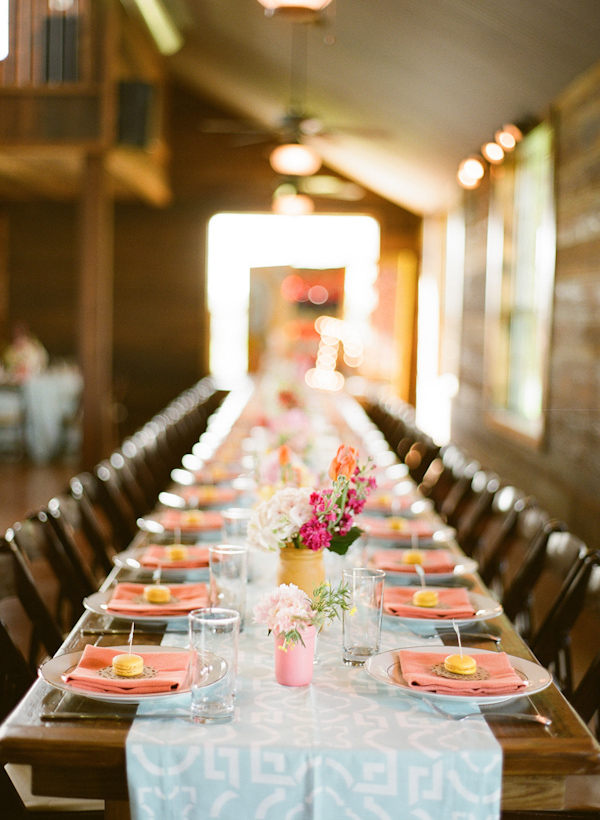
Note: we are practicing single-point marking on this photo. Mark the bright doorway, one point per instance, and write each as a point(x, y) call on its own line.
point(239, 242)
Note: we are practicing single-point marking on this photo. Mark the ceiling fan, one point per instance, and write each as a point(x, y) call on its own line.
point(296, 127)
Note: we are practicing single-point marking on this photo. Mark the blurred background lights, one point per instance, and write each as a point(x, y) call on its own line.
point(332, 332)
point(295, 160)
point(472, 167)
point(493, 152)
point(318, 295)
point(324, 379)
point(293, 205)
point(293, 288)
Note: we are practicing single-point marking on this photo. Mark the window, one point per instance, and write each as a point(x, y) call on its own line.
point(519, 286)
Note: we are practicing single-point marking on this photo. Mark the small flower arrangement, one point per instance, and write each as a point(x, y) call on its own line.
point(296, 517)
point(283, 468)
point(288, 611)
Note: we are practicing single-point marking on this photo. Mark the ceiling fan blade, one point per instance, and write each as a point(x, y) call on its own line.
point(324, 185)
point(230, 126)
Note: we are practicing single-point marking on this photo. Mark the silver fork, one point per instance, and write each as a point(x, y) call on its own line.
point(499, 716)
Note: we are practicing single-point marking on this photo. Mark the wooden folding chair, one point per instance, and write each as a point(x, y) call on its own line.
point(552, 552)
point(16, 800)
point(46, 634)
point(458, 498)
point(551, 641)
point(475, 509)
point(91, 528)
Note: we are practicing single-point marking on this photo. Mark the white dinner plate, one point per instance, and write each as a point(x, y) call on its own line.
point(485, 609)
point(53, 670)
point(130, 559)
point(381, 666)
point(463, 566)
point(98, 603)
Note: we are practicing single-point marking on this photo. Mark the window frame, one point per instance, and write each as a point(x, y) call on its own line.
point(513, 241)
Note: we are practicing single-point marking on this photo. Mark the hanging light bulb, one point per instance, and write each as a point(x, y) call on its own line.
point(296, 10)
point(293, 205)
point(493, 152)
point(470, 172)
point(508, 136)
point(295, 160)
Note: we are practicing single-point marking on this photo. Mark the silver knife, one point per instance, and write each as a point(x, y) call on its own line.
point(145, 631)
point(58, 716)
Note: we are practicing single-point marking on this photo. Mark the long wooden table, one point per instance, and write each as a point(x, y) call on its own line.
point(544, 768)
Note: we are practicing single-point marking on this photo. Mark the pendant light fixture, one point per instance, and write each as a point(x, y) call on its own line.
point(298, 11)
point(295, 160)
point(288, 202)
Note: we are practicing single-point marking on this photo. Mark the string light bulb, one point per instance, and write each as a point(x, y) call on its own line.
point(493, 152)
point(508, 136)
point(470, 172)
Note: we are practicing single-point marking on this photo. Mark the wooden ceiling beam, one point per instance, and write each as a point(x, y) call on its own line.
point(140, 174)
point(38, 177)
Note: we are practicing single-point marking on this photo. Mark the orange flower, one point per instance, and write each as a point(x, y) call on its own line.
point(344, 462)
point(285, 455)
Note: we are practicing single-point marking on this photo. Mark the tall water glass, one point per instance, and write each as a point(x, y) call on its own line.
point(228, 569)
point(235, 524)
point(214, 635)
point(362, 621)
point(235, 531)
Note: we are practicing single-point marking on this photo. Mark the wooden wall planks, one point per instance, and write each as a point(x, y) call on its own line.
point(565, 473)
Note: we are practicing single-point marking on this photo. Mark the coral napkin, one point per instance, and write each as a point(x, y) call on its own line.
point(453, 603)
point(434, 561)
point(383, 501)
point(125, 599)
point(156, 556)
point(416, 671)
point(191, 520)
point(396, 528)
point(201, 494)
point(171, 669)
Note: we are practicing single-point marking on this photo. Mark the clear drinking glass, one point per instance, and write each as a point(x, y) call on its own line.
point(235, 530)
point(362, 621)
point(235, 524)
point(214, 635)
point(228, 568)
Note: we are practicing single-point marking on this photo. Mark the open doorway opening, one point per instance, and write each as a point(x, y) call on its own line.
point(238, 243)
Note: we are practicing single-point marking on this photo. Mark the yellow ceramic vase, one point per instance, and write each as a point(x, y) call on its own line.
point(302, 567)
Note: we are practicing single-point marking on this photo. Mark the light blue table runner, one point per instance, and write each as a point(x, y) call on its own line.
point(345, 746)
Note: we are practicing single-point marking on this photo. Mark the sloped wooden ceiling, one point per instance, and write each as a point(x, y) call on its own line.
point(406, 88)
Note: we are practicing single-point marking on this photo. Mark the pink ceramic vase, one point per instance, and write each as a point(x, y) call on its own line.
point(294, 666)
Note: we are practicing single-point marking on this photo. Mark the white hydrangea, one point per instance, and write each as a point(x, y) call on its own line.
point(279, 518)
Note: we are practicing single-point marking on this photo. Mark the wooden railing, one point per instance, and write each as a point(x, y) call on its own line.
point(50, 43)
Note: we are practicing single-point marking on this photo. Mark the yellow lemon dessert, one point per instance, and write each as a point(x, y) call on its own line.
point(460, 665)
point(194, 517)
point(425, 597)
point(128, 666)
point(412, 557)
point(157, 594)
point(396, 523)
point(176, 552)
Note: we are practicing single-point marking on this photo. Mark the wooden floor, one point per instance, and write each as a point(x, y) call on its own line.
point(25, 487)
